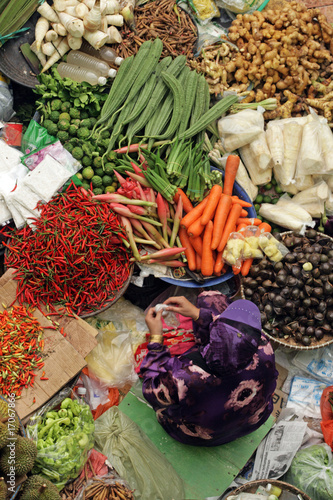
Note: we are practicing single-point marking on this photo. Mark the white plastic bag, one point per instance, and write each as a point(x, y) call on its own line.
point(241, 128)
point(310, 160)
point(258, 177)
point(313, 199)
point(261, 151)
point(326, 144)
point(287, 214)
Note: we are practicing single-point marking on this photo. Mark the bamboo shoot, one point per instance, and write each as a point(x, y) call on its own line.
point(51, 36)
point(39, 53)
point(48, 48)
point(71, 10)
point(96, 39)
point(112, 7)
point(46, 11)
point(92, 21)
point(59, 5)
point(73, 25)
point(62, 48)
point(115, 20)
point(113, 35)
point(81, 10)
point(74, 42)
point(59, 28)
point(42, 26)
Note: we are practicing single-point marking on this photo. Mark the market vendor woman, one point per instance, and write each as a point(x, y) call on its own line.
point(220, 389)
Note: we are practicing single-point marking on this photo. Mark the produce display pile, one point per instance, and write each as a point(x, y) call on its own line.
point(162, 19)
point(74, 257)
point(21, 347)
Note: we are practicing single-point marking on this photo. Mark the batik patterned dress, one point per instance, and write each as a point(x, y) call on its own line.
point(222, 388)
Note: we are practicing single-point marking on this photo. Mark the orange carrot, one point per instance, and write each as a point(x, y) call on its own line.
point(221, 215)
point(197, 244)
point(196, 228)
point(230, 173)
point(207, 264)
point(264, 228)
point(249, 222)
point(229, 225)
point(187, 205)
point(244, 213)
point(236, 269)
point(198, 262)
point(218, 264)
point(243, 203)
point(241, 226)
point(246, 265)
point(194, 214)
point(213, 200)
point(189, 252)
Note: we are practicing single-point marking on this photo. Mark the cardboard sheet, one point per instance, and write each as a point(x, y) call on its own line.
point(63, 356)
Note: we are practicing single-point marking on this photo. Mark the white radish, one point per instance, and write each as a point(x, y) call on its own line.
point(92, 21)
point(48, 48)
point(51, 36)
point(59, 28)
point(96, 38)
point(115, 19)
point(112, 7)
point(46, 11)
point(59, 5)
point(81, 10)
point(73, 25)
point(42, 26)
point(62, 48)
point(113, 35)
point(74, 42)
point(104, 24)
point(39, 53)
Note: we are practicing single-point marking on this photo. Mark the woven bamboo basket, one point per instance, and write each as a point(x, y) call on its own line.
point(252, 487)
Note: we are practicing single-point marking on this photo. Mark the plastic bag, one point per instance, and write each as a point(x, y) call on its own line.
point(261, 151)
point(287, 214)
point(240, 129)
point(242, 6)
point(35, 137)
point(136, 458)
point(170, 318)
point(312, 471)
point(305, 396)
point(258, 176)
point(63, 440)
point(313, 199)
point(310, 160)
point(112, 480)
point(112, 360)
point(6, 99)
point(204, 10)
point(272, 248)
point(233, 252)
point(56, 151)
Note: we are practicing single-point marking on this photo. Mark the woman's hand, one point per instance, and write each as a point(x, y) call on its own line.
point(154, 321)
point(182, 306)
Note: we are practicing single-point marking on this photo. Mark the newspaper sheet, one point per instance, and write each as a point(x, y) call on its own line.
point(276, 451)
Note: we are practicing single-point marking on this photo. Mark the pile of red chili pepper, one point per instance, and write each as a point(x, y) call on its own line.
point(73, 256)
point(20, 347)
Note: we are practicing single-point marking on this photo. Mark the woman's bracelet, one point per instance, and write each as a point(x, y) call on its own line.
point(156, 338)
point(196, 319)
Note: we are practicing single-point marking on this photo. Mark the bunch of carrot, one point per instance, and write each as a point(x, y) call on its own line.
point(205, 229)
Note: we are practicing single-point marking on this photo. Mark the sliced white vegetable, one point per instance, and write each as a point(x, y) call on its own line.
point(59, 5)
point(112, 7)
point(39, 53)
point(274, 136)
point(48, 48)
point(258, 177)
point(41, 28)
point(292, 138)
point(59, 28)
point(260, 150)
point(81, 10)
point(92, 20)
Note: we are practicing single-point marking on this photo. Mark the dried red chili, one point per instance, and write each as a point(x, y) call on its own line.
point(21, 345)
point(61, 258)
